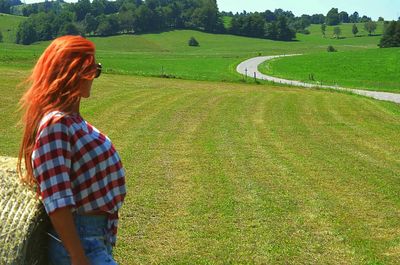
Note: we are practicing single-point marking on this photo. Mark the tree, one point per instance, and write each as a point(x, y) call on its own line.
point(255, 25)
point(60, 20)
point(354, 18)
point(300, 24)
point(283, 31)
point(207, 15)
point(81, 8)
point(381, 19)
point(127, 21)
point(318, 19)
point(281, 13)
point(90, 23)
point(69, 29)
point(354, 30)
point(337, 32)
point(98, 7)
point(269, 16)
point(108, 25)
point(26, 33)
point(332, 18)
point(252, 25)
point(391, 36)
point(271, 31)
point(344, 17)
point(365, 19)
point(43, 25)
point(323, 29)
point(370, 26)
point(5, 6)
point(143, 18)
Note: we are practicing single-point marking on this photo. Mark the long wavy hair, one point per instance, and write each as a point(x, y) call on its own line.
point(54, 84)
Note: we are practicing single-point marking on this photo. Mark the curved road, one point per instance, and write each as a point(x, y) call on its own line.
point(250, 68)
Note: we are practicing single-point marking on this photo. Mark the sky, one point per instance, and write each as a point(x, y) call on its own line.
point(388, 9)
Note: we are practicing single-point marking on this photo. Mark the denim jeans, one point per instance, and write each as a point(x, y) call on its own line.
point(92, 232)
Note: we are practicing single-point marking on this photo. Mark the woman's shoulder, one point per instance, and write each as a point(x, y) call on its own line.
point(56, 119)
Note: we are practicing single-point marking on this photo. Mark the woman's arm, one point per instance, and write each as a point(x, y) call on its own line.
point(63, 223)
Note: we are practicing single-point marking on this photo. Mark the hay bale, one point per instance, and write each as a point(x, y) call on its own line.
point(23, 220)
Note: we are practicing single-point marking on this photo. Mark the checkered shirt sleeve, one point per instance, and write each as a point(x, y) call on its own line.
point(51, 160)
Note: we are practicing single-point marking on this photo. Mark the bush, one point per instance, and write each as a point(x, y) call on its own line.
point(304, 31)
point(331, 49)
point(193, 42)
point(391, 36)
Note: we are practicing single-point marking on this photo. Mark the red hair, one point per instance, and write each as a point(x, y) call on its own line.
point(53, 85)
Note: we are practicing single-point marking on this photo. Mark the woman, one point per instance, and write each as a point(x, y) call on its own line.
point(78, 173)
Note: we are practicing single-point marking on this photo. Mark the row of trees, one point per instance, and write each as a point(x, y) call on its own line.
point(369, 26)
point(334, 17)
point(283, 25)
point(101, 17)
point(255, 25)
point(6, 5)
point(48, 20)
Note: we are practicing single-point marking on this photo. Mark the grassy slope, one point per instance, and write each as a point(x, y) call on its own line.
point(345, 68)
point(227, 173)
point(8, 26)
point(168, 52)
point(375, 69)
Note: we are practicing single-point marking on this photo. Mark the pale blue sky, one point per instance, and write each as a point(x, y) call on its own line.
point(389, 9)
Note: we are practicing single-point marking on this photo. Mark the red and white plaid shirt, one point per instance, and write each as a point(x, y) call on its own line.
point(77, 166)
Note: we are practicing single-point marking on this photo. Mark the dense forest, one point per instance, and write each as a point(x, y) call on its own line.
point(50, 19)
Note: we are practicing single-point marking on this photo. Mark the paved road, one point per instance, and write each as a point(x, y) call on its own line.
point(250, 68)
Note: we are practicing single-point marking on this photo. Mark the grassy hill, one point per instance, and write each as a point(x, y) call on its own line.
point(169, 54)
point(9, 25)
point(373, 69)
point(223, 173)
point(364, 66)
point(228, 173)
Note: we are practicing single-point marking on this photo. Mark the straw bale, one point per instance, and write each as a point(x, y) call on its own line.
point(23, 221)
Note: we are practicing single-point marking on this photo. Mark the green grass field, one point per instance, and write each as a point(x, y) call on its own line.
point(242, 174)
point(230, 173)
point(372, 69)
point(169, 54)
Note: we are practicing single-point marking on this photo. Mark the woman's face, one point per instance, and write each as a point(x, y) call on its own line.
point(86, 85)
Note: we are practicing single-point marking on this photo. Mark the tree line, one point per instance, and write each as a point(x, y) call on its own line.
point(277, 25)
point(50, 19)
point(334, 17)
point(104, 18)
point(6, 5)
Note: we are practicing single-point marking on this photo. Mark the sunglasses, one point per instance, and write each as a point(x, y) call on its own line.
point(98, 70)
